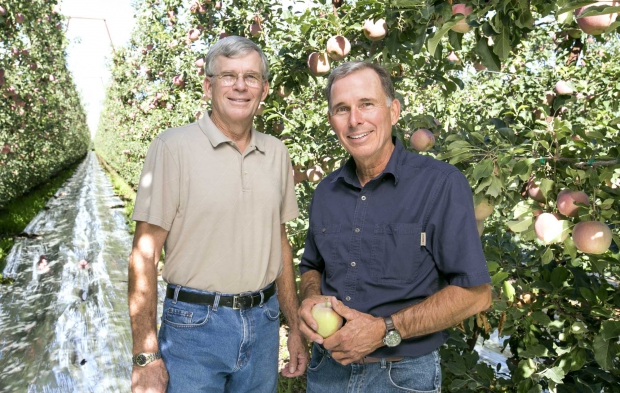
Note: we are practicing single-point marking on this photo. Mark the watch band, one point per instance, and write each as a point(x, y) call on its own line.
point(142, 359)
point(389, 324)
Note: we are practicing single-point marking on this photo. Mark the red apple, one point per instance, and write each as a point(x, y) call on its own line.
point(548, 228)
point(193, 34)
point(328, 320)
point(200, 62)
point(592, 237)
point(595, 25)
point(375, 31)
point(461, 26)
point(422, 140)
point(255, 29)
point(453, 58)
point(534, 191)
point(19, 18)
point(566, 202)
point(338, 47)
point(563, 88)
point(315, 173)
point(178, 80)
point(318, 63)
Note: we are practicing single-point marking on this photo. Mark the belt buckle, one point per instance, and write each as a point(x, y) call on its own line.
point(236, 300)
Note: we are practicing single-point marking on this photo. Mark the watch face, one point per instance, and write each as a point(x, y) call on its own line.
point(140, 360)
point(392, 338)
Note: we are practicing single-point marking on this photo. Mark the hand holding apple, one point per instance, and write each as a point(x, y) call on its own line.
point(328, 320)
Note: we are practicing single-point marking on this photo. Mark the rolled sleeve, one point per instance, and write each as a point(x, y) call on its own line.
point(157, 199)
point(455, 243)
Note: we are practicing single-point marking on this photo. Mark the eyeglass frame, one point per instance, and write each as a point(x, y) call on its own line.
point(259, 77)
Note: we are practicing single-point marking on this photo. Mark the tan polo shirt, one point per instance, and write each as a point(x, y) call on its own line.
point(222, 208)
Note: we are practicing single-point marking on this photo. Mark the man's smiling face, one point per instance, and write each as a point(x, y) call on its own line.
point(236, 103)
point(361, 117)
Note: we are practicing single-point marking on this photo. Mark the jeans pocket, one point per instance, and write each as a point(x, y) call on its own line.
point(318, 359)
point(185, 315)
point(272, 308)
point(417, 374)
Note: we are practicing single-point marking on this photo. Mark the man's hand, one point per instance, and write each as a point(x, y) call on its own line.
point(361, 335)
point(307, 324)
point(298, 355)
point(153, 378)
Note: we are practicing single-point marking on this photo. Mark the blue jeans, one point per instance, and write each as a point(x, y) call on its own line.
point(218, 349)
point(420, 374)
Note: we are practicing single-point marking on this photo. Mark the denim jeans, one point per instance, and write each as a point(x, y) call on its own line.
point(420, 374)
point(218, 349)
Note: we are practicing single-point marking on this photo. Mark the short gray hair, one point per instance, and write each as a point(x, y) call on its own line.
point(353, 66)
point(233, 47)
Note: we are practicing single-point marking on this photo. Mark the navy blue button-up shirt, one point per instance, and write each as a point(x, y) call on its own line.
point(402, 237)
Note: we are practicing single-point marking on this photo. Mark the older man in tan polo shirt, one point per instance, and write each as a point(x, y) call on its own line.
point(216, 194)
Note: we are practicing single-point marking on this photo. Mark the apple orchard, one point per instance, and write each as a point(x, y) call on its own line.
point(521, 95)
point(42, 123)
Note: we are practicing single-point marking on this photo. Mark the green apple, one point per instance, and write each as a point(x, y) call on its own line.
point(328, 320)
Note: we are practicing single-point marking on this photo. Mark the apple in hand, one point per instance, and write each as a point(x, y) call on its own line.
point(328, 320)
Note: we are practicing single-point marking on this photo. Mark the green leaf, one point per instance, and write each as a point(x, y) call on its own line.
point(547, 256)
point(541, 318)
point(559, 275)
point(489, 59)
point(434, 40)
point(457, 384)
point(495, 188)
point(522, 167)
point(520, 226)
point(502, 46)
point(556, 374)
point(499, 277)
point(603, 352)
point(610, 329)
point(534, 351)
point(483, 169)
point(509, 291)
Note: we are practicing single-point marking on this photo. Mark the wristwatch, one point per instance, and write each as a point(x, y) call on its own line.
point(142, 359)
point(392, 337)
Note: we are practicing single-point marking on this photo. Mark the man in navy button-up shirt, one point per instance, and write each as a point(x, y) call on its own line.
point(393, 239)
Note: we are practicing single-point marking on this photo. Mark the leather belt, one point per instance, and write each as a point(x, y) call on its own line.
point(237, 302)
point(369, 359)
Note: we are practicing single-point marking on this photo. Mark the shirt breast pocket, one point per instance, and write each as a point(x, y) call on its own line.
point(328, 242)
point(396, 251)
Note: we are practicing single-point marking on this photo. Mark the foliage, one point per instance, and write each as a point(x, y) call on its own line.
point(42, 123)
point(502, 127)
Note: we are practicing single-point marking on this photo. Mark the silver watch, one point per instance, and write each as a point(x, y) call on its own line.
point(142, 359)
point(392, 337)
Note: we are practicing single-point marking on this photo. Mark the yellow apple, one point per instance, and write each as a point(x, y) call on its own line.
point(328, 320)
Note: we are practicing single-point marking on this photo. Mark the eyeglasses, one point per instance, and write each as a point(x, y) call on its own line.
point(230, 78)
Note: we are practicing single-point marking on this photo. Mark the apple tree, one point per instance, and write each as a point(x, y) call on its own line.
point(42, 123)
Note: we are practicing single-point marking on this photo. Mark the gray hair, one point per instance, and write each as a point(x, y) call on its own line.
point(234, 47)
point(353, 66)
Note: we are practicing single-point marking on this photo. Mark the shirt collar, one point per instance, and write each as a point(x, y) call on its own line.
point(216, 137)
point(348, 170)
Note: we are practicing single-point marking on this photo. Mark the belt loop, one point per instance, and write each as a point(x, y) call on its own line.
point(176, 294)
point(262, 298)
point(383, 363)
point(216, 302)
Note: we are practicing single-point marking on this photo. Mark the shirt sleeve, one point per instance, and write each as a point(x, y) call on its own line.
point(311, 258)
point(289, 209)
point(157, 200)
point(454, 240)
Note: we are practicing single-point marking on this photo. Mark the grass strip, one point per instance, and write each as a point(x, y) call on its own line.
point(123, 190)
point(20, 211)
